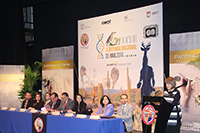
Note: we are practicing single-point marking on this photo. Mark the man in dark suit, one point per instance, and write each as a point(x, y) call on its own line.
point(66, 103)
point(28, 102)
point(55, 101)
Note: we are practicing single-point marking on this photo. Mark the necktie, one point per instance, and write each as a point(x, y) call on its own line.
point(123, 107)
point(53, 105)
point(25, 104)
point(65, 106)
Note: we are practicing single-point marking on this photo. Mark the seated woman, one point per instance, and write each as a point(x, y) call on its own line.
point(79, 106)
point(47, 98)
point(106, 108)
point(38, 103)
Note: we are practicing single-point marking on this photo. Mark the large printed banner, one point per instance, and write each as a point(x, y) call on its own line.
point(184, 62)
point(57, 70)
point(10, 79)
point(121, 53)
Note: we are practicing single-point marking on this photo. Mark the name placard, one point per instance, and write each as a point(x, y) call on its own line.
point(69, 115)
point(95, 117)
point(4, 108)
point(81, 116)
point(55, 113)
point(44, 112)
point(33, 111)
point(22, 110)
point(12, 109)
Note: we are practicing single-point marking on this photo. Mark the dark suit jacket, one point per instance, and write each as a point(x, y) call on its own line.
point(70, 104)
point(39, 105)
point(82, 109)
point(57, 104)
point(29, 104)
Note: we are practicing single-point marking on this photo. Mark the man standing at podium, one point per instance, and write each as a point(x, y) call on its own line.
point(172, 96)
point(125, 111)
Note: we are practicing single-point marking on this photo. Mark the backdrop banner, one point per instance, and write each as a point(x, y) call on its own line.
point(10, 79)
point(57, 70)
point(184, 62)
point(121, 53)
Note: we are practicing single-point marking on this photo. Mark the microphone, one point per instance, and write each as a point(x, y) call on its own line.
point(184, 84)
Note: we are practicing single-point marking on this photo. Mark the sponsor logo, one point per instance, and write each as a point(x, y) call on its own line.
point(150, 13)
point(38, 124)
point(150, 31)
point(148, 114)
point(126, 18)
point(84, 40)
point(107, 22)
point(83, 26)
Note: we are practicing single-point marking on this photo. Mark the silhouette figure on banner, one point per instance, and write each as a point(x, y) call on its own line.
point(146, 75)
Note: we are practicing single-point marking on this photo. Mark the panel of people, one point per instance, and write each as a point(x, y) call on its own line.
point(67, 105)
point(53, 103)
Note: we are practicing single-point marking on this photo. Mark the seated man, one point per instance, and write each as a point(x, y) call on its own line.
point(28, 102)
point(55, 101)
point(125, 111)
point(66, 104)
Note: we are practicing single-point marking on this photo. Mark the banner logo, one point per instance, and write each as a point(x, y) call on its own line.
point(83, 26)
point(150, 31)
point(100, 46)
point(114, 47)
point(126, 18)
point(38, 124)
point(106, 22)
point(84, 40)
point(148, 114)
point(148, 14)
point(111, 41)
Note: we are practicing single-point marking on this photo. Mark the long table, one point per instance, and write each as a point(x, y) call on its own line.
point(14, 121)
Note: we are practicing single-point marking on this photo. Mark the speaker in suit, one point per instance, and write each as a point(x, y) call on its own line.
point(66, 104)
point(28, 102)
point(55, 101)
point(55, 105)
point(125, 112)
